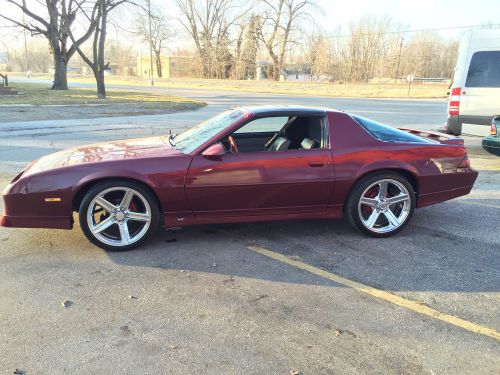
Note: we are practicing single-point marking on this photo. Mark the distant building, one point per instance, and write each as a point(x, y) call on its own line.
point(303, 73)
point(171, 66)
point(291, 72)
point(121, 69)
point(260, 67)
point(296, 72)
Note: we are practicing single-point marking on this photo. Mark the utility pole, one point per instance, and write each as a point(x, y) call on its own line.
point(141, 72)
point(151, 75)
point(25, 51)
point(399, 61)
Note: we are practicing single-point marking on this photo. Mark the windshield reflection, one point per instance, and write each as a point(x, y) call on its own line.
point(193, 138)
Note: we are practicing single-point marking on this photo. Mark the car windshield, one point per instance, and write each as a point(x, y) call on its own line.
point(193, 138)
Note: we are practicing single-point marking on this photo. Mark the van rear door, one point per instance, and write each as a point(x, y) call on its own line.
point(480, 96)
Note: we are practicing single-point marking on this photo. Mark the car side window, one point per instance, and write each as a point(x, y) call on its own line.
point(484, 70)
point(263, 125)
point(282, 133)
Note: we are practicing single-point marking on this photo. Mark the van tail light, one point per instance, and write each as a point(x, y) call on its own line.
point(454, 104)
point(493, 128)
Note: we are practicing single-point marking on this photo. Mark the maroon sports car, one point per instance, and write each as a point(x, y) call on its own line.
point(246, 164)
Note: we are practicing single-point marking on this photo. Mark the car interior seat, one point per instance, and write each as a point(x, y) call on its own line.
point(308, 143)
point(280, 144)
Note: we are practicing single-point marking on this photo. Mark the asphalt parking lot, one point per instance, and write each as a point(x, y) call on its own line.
point(260, 298)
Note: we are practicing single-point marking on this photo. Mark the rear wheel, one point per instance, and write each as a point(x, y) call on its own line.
point(118, 215)
point(381, 205)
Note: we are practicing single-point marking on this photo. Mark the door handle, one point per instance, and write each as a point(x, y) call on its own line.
point(316, 163)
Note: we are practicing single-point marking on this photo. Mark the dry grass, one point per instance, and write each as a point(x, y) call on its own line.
point(311, 88)
point(40, 94)
point(367, 90)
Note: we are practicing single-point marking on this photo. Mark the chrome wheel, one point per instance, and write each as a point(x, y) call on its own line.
point(119, 216)
point(384, 206)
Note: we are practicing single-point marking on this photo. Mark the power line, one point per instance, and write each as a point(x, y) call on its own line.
point(419, 30)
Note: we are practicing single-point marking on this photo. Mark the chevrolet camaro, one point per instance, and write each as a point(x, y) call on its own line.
point(245, 164)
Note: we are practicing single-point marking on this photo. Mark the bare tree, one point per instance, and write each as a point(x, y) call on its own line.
point(124, 57)
point(279, 21)
point(96, 62)
point(247, 46)
point(426, 54)
point(38, 56)
point(366, 46)
point(317, 55)
point(208, 23)
point(160, 33)
point(54, 25)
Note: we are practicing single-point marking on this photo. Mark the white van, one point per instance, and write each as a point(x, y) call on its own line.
point(475, 92)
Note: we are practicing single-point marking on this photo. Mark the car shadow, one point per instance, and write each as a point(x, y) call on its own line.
point(428, 255)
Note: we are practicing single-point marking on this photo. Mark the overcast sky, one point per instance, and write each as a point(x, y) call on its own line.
point(417, 14)
point(411, 14)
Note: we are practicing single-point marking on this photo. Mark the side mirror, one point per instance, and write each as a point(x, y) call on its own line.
point(215, 150)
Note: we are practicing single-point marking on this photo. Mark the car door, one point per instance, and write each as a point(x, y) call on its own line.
point(260, 183)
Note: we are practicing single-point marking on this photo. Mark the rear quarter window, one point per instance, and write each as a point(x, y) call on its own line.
point(387, 133)
point(484, 70)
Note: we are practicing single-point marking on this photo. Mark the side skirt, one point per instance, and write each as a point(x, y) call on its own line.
point(179, 219)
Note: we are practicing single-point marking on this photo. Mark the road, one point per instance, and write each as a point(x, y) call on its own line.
point(199, 300)
point(33, 139)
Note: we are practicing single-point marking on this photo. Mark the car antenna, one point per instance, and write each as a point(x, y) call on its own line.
point(170, 97)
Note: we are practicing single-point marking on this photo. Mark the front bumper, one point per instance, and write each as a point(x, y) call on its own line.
point(31, 210)
point(54, 222)
point(492, 144)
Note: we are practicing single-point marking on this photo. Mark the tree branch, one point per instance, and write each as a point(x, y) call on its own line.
point(29, 13)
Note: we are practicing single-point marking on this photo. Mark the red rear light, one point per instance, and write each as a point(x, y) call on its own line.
point(454, 105)
point(464, 163)
point(453, 164)
point(493, 128)
point(454, 108)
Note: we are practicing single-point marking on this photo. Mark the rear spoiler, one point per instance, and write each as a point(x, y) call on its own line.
point(436, 136)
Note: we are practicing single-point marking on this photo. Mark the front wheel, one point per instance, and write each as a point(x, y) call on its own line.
point(118, 215)
point(381, 205)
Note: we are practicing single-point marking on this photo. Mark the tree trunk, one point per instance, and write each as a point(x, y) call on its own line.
point(101, 87)
point(158, 64)
point(99, 43)
point(276, 69)
point(60, 72)
point(276, 73)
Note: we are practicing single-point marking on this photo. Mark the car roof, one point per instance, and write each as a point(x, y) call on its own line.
point(284, 110)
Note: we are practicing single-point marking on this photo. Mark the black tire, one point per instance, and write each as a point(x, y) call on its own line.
point(354, 209)
point(140, 196)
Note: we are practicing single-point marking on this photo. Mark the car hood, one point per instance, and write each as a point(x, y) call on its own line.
point(107, 151)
